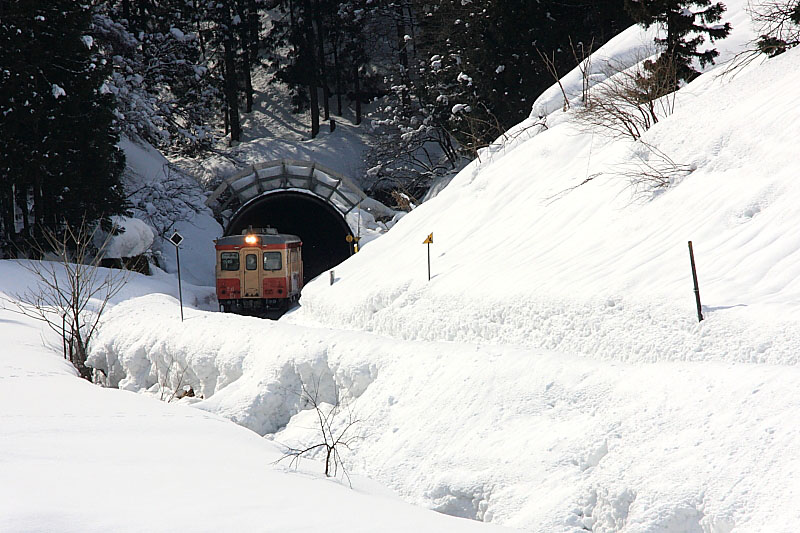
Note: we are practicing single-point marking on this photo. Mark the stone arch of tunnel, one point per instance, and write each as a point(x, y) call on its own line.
point(321, 227)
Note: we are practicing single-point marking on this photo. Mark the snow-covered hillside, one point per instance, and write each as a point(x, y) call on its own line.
point(552, 375)
point(272, 131)
point(521, 257)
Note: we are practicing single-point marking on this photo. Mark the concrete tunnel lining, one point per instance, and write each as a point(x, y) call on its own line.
point(320, 226)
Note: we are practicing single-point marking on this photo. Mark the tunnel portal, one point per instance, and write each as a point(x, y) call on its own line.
point(301, 198)
point(320, 226)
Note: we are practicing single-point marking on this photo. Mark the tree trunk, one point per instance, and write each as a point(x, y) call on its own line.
point(200, 38)
point(38, 210)
point(254, 27)
point(357, 94)
point(231, 89)
point(321, 70)
point(412, 30)
point(328, 461)
point(312, 90)
point(245, 34)
point(8, 212)
point(22, 202)
point(248, 80)
point(338, 78)
point(403, 53)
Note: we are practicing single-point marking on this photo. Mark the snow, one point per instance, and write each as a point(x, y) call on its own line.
point(78, 457)
point(551, 376)
point(635, 45)
point(272, 132)
point(135, 238)
point(145, 171)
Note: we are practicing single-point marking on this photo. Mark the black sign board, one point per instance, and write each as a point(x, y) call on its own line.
point(176, 239)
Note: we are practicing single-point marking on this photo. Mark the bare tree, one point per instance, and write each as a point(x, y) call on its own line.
point(624, 106)
point(166, 199)
point(777, 23)
point(550, 64)
point(652, 169)
point(72, 291)
point(337, 430)
point(583, 58)
point(410, 161)
point(649, 170)
point(171, 385)
point(475, 127)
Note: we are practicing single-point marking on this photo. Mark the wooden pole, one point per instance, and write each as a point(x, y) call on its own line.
point(696, 288)
point(429, 261)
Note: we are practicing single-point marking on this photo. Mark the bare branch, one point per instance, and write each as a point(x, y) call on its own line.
point(72, 292)
point(330, 441)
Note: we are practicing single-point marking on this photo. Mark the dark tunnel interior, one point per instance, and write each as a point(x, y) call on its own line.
point(319, 225)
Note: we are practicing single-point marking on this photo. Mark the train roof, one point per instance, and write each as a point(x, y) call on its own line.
point(267, 235)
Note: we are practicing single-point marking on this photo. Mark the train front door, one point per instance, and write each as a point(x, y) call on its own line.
point(252, 279)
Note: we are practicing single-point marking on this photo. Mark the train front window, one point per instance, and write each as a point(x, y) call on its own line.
point(229, 261)
point(251, 262)
point(272, 261)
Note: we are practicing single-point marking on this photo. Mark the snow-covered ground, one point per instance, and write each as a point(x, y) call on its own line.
point(551, 376)
point(78, 457)
point(271, 131)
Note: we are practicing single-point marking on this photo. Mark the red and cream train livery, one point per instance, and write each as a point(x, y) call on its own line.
point(260, 270)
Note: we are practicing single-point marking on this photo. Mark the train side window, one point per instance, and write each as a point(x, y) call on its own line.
point(272, 261)
point(229, 261)
point(251, 262)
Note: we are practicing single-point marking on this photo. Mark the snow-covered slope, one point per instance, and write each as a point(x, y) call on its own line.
point(78, 457)
point(519, 258)
point(552, 374)
point(538, 440)
point(271, 131)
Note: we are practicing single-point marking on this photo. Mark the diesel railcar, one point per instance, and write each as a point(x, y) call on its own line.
point(258, 271)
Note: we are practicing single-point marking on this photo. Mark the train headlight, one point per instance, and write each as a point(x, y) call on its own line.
point(251, 239)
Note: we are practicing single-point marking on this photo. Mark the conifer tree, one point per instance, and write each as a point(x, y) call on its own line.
point(58, 156)
point(165, 92)
point(687, 24)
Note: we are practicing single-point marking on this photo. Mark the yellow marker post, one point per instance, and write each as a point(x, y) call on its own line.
point(429, 241)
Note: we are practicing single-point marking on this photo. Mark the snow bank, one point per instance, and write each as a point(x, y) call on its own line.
point(77, 457)
point(135, 238)
point(532, 439)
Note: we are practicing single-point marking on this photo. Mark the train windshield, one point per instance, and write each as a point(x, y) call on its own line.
point(272, 261)
point(251, 262)
point(229, 261)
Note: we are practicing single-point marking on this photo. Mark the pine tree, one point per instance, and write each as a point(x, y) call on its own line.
point(778, 23)
point(166, 93)
point(687, 24)
point(58, 155)
point(484, 56)
point(300, 69)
